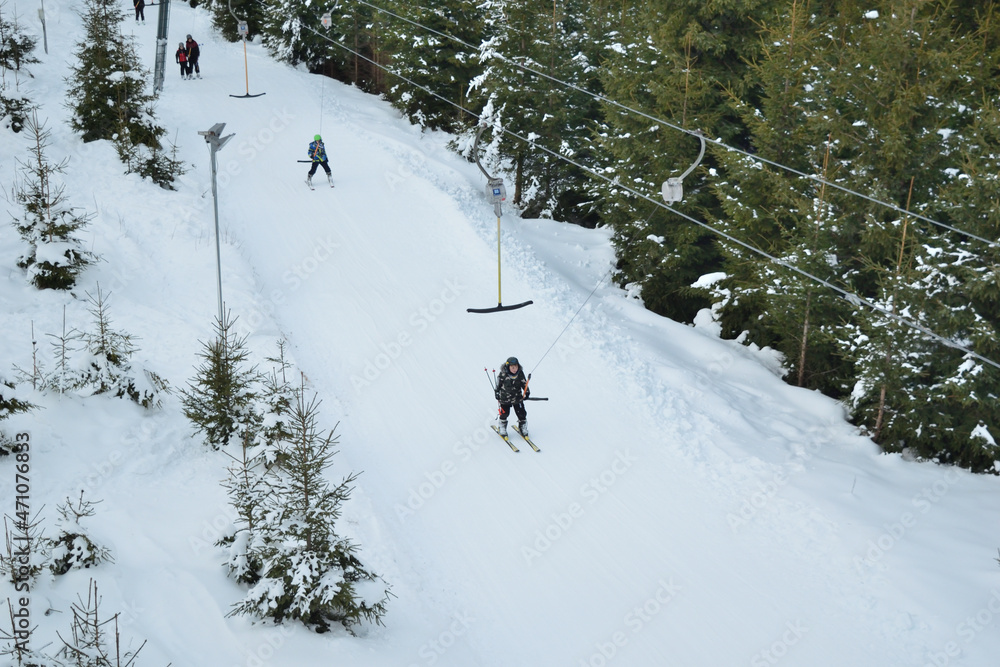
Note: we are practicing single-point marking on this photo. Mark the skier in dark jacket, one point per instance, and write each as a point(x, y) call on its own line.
point(193, 53)
point(139, 5)
point(511, 390)
point(317, 153)
point(181, 58)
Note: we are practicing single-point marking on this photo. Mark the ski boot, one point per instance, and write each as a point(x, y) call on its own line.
point(523, 428)
point(503, 427)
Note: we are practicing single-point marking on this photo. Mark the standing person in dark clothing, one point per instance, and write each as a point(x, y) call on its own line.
point(181, 58)
point(140, 6)
point(193, 52)
point(317, 153)
point(512, 389)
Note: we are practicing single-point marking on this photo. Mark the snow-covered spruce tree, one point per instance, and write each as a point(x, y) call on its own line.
point(109, 98)
point(10, 404)
point(221, 399)
point(251, 11)
point(970, 388)
point(442, 65)
point(683, 62)
point(792, 219)
point(506, 95)
point(55, 255)
point(16, 52)
point(251, 474)
point(307, 572)
point(276, 402)
point(289, 30)
point(107, 368)
point(248, 484)
point(72, 548)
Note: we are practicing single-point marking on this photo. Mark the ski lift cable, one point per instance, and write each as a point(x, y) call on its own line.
point(850, 297)
point(592, 292)
point(679, 128)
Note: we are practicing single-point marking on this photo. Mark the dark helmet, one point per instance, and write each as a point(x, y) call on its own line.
point(513, 362)
point(189, 38)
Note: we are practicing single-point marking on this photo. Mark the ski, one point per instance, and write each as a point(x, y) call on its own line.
point(505, 439)
point(526, 439)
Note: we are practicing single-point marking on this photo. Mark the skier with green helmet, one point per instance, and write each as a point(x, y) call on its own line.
point(511, 390)
point(317, 153)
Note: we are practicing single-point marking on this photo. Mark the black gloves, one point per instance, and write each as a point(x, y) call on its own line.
point(497, 394)
point(527, 392)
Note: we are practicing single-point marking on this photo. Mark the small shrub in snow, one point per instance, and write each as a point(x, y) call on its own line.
point(73, 549)
point(107, 369)
point(93, 642)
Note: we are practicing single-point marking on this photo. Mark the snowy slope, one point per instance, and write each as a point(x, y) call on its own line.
point(687, 508)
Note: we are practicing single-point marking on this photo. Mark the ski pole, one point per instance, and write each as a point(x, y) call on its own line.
point(492, 386)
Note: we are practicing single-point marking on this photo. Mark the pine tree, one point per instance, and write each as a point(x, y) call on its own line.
point(893, 137)
point(429, 58)
point(766, 301)
point(251, 474)
point(108, 369)
point(308, 573)
point(682, 62)
point(109, 99)
point(525, 51)
point(277, 398)
point(221, 400)
point(10, 404)
point(16, 53)
point(54, 257)
point(226, 15)
point(293, 31)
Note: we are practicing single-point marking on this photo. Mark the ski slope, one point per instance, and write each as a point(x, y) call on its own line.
point(687, 507)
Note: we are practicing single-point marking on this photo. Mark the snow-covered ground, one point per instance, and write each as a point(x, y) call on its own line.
point(687, 508)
